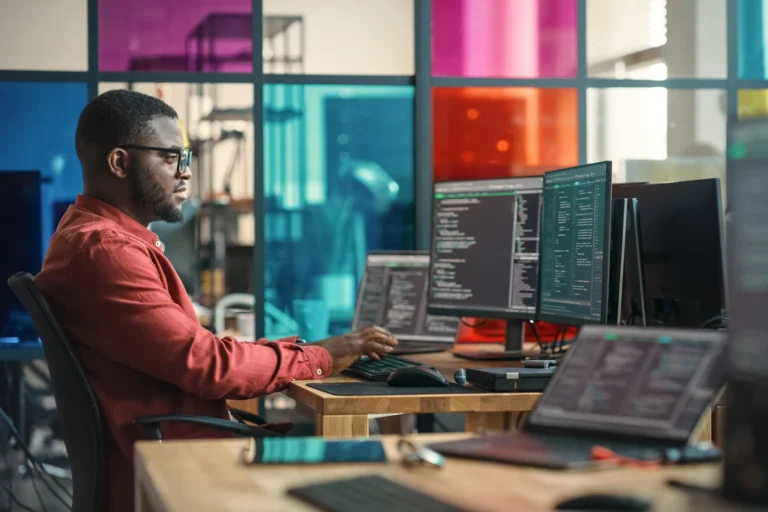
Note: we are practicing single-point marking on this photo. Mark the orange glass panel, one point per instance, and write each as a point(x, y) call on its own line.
point(482, 132)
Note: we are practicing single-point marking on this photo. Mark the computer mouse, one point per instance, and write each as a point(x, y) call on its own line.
point(416, 377)
point(615, 502)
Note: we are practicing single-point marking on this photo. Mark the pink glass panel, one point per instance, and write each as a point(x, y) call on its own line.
point(504, 38)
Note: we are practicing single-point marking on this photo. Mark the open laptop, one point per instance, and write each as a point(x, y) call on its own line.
point(637, 391)
point(393, 295)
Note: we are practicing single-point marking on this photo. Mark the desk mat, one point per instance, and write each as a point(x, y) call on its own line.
point(382, 388)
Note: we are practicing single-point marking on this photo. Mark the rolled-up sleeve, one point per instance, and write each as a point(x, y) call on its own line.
point(127, 314)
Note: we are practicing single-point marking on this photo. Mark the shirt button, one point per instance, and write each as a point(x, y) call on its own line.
point(158, 244)
point(319, 371)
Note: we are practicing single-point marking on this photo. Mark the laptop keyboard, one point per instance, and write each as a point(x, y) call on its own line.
point(368, 369)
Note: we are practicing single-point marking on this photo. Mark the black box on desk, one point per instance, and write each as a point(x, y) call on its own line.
point(510, 379)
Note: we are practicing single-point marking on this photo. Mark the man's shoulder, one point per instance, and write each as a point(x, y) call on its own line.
point(86, 232)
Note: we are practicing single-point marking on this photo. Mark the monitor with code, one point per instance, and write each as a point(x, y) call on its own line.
point(485, 248)
point(393, 295)
point(575, 245)
point(650, 382)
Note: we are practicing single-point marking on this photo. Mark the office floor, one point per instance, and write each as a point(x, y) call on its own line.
point(41, 499)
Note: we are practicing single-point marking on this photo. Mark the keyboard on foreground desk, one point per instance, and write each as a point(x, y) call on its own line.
point(368, 369)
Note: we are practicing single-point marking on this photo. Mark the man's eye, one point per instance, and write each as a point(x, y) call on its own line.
point(171, 158)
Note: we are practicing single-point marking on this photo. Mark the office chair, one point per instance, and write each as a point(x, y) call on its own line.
point(82, 422)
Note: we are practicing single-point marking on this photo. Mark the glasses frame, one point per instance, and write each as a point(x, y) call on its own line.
point(184, 155)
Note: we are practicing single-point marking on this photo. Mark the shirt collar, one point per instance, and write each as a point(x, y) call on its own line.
point(108, 211)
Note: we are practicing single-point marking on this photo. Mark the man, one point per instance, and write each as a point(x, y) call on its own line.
point(133, 327)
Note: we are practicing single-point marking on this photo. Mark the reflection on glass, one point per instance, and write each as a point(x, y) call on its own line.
point(656, 39)
point(44, 118)
point(44, 35)
point(504, 38)
point(338, 182)
point(175, 35)
point(656, 124)
point(339, 37)
point(753, 39)
point(496, 132)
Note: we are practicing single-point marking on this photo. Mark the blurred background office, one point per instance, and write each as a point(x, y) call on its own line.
point(318, 126)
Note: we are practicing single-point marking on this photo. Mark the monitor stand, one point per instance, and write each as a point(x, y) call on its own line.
point(513, 346)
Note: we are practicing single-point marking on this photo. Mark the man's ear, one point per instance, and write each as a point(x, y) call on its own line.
point(117, 162)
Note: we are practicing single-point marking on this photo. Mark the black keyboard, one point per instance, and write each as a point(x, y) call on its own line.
point(370, 493)
point(368, 369)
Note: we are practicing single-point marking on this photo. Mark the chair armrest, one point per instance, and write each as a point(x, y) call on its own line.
point(247, 416)
point(152, 425)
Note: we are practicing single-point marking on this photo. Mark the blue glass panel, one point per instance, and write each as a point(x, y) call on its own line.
point(752, 39)
point(339, 182)
point(38, 134)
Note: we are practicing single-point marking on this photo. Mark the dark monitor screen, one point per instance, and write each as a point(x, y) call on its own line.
point(21, 218)
point(649, 382)
point(393, 295)
point(575, 245)
point(485, 248)
point(683, 247)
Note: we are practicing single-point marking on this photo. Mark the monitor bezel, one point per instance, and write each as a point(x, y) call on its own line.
point(476, 312)
point(578, 321)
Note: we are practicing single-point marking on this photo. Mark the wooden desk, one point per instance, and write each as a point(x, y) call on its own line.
point(207, 476)
point(344, 416)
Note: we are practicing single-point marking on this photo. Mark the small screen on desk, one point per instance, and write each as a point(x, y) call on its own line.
point(643, 381)
point(314, 450)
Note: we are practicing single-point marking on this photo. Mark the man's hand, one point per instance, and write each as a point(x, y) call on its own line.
point(346, 349)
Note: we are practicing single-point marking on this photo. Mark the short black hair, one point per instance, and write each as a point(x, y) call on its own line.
point(116, 118)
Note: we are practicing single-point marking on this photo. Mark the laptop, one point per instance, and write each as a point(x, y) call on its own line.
point(637, 391)
point(393, 295)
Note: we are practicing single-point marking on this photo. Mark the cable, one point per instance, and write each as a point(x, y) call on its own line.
point(475, 325)
point(536, 335)
point(36, 464)
point(15, 500)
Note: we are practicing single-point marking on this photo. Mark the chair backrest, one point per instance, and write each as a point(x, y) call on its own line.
point(82, 422)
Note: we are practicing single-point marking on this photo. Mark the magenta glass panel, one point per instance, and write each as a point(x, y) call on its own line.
point(175, 35)
point(504, 38)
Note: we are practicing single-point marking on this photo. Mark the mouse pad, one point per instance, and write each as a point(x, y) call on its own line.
point(382, 388)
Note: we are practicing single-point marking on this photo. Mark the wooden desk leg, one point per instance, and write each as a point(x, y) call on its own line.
point(341, 426)
point(141, 501)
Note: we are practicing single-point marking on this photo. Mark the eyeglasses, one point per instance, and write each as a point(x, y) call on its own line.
point(183, 156)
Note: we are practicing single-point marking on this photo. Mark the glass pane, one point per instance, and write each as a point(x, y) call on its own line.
point(753, 39)
point(504, 38)
point(44, 35)
point(44, 118)
point(175, 35)
point(218, 126)
point(656, 39)
point(339, 37)
point(656, 134)
point(338, 182)
point(494, 132)
point(753, 103)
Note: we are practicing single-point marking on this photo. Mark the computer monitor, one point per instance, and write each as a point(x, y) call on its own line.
point(21, 214)
point(682, 244)
point(393, 295)
point(575, 245)
point(646, 382)
point(485, 253)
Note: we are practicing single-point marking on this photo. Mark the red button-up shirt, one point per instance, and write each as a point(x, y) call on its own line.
point(140, 343)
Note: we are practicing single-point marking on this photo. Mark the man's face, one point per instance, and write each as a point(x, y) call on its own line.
point(158, 184)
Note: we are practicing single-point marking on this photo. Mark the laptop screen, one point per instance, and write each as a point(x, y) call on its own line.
point(393, 295)
point(648, 382)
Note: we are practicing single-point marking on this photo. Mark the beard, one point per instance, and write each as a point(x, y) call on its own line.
point(150, 198)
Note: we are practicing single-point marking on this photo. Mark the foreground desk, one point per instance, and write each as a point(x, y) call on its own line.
point(205, 476)
point(344, 416)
